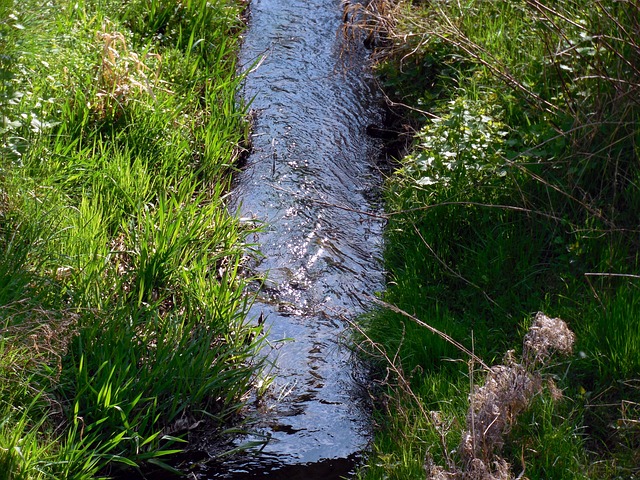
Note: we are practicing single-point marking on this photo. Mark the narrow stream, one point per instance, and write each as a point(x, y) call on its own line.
point(310, 177)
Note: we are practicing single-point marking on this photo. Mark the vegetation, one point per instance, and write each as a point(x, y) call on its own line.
point(519, 194)
point(122, 307)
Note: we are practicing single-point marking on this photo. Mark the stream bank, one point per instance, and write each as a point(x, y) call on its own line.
point(520, 195)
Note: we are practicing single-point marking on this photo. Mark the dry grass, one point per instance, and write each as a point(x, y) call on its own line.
point(546, 337)
point(44, 333)
point(494, 407)
point(374, 21)
point(122, 71)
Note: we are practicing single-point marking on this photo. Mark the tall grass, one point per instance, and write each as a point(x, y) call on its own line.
point(21, 452)
point(519, 194)
point(121, 270)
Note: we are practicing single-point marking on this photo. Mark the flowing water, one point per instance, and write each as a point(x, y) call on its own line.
point(312, 180)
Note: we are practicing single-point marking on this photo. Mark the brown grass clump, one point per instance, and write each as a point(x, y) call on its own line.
point(507, 391)
point(44, 333)
point(546, 336)
point(123, 72)
point(372, 21)
point(493, 409)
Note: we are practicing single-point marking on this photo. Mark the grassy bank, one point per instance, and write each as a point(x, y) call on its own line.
point(121, 299)
point(519, 194)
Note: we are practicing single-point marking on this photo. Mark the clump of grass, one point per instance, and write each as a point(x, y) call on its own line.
point(508, 390)
point(122, 72)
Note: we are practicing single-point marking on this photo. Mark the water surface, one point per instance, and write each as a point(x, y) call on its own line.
point(312, 181)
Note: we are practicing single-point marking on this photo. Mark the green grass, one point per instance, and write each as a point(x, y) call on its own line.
point(519, 194)
point(122, 300)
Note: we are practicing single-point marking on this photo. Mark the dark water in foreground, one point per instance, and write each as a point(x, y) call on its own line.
point(311, 174)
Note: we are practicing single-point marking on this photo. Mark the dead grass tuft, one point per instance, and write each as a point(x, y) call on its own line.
point(493, 409)
point(122, 71)
point(546, 336)
point(507, 391)
point(373, 22)
point(46, 334)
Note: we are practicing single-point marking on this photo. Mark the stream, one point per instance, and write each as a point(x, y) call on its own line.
point(312, 181)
